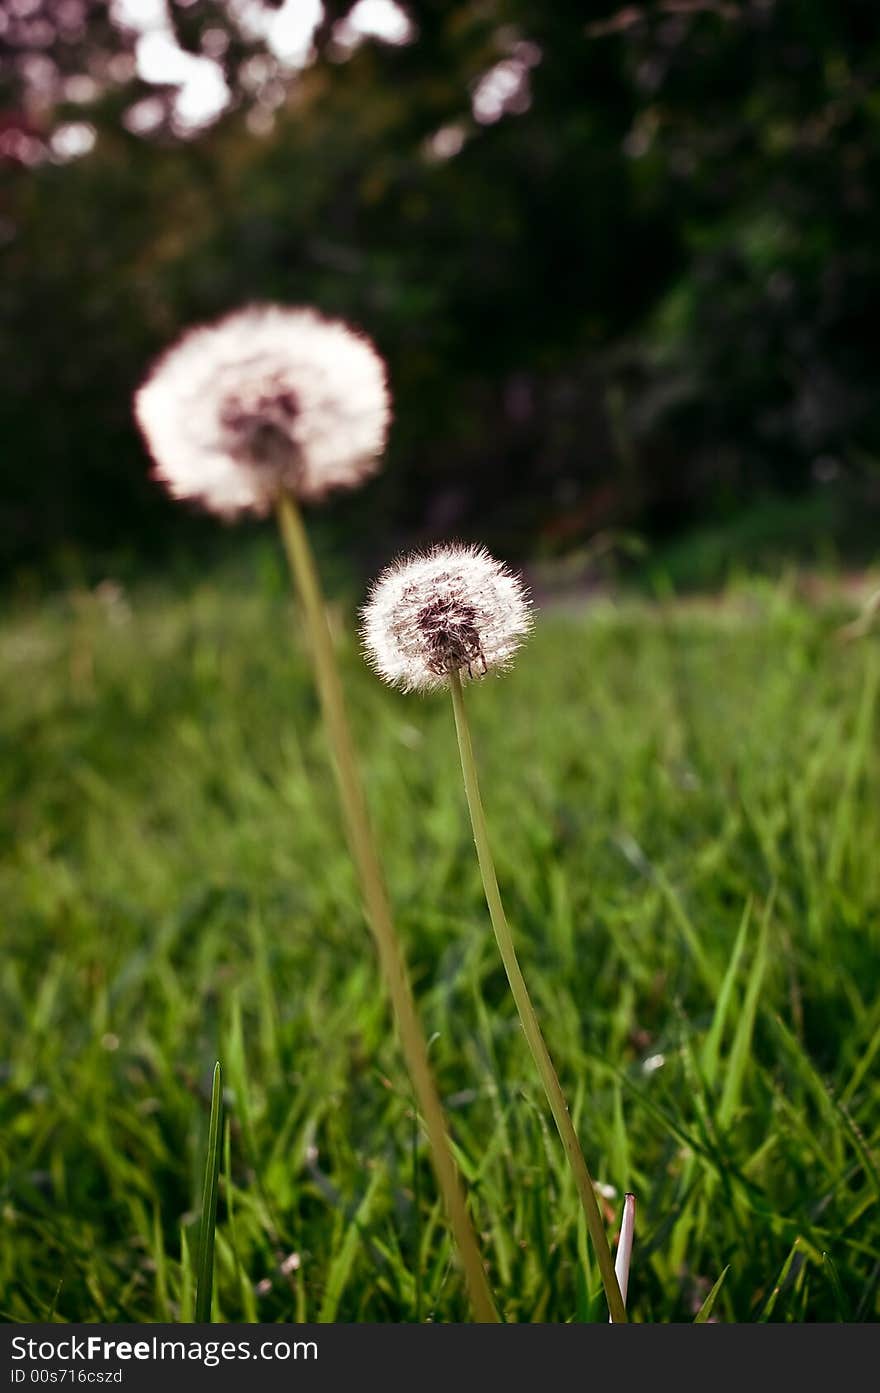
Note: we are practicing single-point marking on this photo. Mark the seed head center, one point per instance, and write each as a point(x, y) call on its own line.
point(262, 426)
point(452, 640)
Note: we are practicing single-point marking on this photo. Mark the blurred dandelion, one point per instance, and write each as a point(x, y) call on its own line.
point(432, 620)
point(265, 401)
point(269, 408)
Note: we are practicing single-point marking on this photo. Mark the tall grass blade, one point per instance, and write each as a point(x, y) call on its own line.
point(708, 1305)
point(712, 1046)
point(781, 1282)
point(742, 1040)
point(205, 1277)
point(187, 1280)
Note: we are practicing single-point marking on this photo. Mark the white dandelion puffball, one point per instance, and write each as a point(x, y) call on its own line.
point(452, 609)
point(265, 400)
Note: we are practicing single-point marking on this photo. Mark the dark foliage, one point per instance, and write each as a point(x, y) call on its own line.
point(645, 294)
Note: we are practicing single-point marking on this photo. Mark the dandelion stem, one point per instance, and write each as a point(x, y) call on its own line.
point(528, 1019)
point(378, 911)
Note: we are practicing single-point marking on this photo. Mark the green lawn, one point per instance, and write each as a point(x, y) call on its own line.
point(685, 804)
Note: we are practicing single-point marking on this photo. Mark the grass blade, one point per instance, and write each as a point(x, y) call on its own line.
point(688, 929)
point(862, 1067)
point(782, 1281)
point(340, 1268)
point(186, 1280)
point(708, 1305)
point(205, 1280)
point(742, 1040)
point(161, 1268)
point(712, 1046)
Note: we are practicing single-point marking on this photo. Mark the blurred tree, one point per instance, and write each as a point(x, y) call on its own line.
point(624, 264)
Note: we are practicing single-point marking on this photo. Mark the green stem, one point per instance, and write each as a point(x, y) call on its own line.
point(363, 851)
point(529, 1020)
point(205, 1282)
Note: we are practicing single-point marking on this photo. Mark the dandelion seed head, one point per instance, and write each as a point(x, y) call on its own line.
point(451, 609)
point(268, 398)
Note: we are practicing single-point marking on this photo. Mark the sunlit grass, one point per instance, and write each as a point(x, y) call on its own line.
point(689, 852)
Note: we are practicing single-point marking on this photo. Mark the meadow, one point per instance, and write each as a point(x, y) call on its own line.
point(684, 798)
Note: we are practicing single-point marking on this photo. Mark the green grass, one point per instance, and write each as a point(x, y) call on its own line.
point(685, 808)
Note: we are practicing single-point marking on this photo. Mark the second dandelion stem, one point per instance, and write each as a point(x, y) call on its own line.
point(360, 837)
point(528, 1019)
